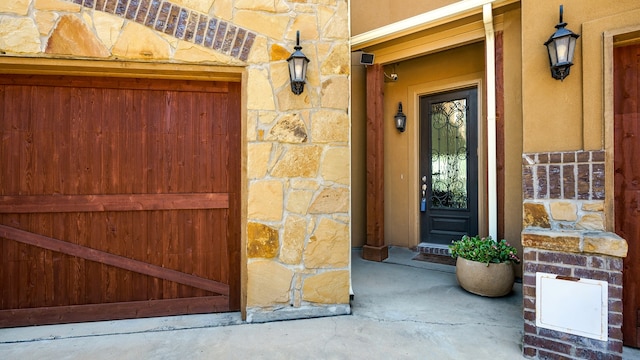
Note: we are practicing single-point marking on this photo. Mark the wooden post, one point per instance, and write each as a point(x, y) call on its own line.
point(375, 249)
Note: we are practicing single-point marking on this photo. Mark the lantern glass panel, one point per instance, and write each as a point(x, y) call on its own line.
point(562, 47)
point(572, 48)
point(292, 69)
point(298, 66)
point(301, 68)
point(553, 55)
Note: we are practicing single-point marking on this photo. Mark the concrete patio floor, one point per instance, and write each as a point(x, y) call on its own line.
point(402, 309)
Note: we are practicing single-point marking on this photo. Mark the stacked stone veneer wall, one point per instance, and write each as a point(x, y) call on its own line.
point(564, 234)
point(297, 147)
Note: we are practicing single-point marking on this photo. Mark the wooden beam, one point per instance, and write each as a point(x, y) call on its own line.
point(99, 203)
point(375, 249)
point(121, 262)
point(114, 68)
point(112, 311)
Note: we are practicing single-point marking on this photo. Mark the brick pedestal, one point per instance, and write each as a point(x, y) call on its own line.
point(545, 257)
point(564, 234)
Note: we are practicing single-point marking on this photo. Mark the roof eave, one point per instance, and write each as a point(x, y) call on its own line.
point(445, 14)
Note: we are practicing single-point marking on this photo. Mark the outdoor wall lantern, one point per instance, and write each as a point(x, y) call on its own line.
point(400, 119)
point(561, 46)
point(297, 67)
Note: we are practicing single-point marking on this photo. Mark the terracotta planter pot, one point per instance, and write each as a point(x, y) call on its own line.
point(493, 280)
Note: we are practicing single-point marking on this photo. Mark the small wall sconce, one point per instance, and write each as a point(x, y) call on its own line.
point(400, 119)
point(297, 67)
point(561, 46)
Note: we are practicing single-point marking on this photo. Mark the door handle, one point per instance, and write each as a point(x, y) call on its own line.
point(423, 199)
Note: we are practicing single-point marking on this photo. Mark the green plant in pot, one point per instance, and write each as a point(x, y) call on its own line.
point(484, 266)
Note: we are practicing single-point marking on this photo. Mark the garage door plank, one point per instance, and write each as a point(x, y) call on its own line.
point(112, 311)
point(98, 203)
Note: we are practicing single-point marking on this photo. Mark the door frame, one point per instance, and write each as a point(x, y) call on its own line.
point(608, 77)
point(413, 123)
point(426, 145)
point(156, 70)
point(629, 34)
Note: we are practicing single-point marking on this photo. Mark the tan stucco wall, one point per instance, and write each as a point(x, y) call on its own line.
point(428, 74)
point(296, 150)
point(372, 14)
point(431, 72)
point(513, 134)
point(560, 105)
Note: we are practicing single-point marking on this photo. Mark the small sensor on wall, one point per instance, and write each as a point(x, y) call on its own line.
point(366, 59)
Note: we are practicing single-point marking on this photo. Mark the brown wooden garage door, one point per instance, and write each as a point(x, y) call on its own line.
point(119, 198)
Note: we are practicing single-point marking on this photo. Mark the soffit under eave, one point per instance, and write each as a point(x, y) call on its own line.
point(441, 38)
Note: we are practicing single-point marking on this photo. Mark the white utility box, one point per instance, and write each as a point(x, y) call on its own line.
point(572, 305)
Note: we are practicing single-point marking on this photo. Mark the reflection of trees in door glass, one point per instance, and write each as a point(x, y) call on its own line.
point(449, 154)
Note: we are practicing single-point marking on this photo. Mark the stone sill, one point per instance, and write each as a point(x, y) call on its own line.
point(260, 315)
point(587, 242)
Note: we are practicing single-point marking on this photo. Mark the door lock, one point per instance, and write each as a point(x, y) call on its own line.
point(423, 199)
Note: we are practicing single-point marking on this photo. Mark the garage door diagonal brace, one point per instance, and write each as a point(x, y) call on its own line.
point(112, 260)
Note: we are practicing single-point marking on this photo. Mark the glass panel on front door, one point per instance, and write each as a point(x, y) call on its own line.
point(449, 154)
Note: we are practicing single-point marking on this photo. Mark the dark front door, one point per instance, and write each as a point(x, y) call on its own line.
point(448, 166)
point(627, 173)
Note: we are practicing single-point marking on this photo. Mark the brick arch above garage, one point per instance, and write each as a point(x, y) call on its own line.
point(180, 22)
